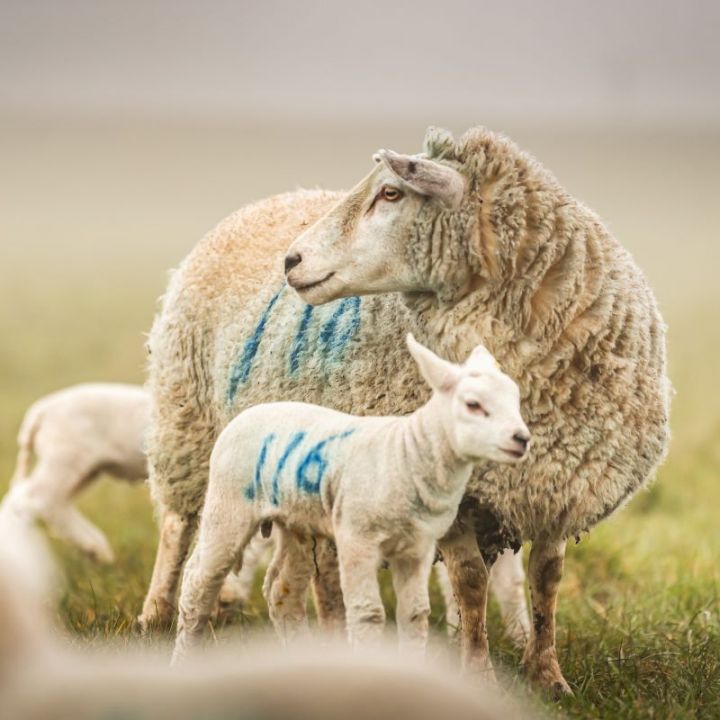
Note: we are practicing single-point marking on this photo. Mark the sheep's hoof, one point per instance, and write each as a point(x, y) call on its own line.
point(545, 674)
point(157, 618)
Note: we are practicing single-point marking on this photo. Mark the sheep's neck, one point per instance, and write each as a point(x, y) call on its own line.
point(434, 467)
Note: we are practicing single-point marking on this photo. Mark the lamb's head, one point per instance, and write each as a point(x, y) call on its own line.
point(478, 403)
point(372, 241)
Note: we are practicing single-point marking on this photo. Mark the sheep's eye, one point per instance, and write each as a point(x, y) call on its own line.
point(475, 407)
point(389, 193)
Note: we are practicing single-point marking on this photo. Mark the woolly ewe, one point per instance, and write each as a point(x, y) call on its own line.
point(385, 488)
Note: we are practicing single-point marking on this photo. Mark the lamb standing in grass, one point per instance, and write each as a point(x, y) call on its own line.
point(385, 488)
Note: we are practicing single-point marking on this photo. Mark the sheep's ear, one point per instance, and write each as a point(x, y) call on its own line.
point(426, 177)
point(482, 359)
point(439, 374)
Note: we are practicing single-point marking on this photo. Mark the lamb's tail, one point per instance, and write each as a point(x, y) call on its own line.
point(26, 442)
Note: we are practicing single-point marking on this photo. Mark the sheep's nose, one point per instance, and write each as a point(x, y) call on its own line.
point(522, 438)
point(291, 261)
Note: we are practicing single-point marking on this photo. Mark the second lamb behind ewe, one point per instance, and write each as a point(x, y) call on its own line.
point(385, 488)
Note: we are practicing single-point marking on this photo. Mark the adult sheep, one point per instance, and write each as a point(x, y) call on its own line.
point(472, 242)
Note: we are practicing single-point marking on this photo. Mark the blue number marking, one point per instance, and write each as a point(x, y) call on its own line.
point(315, 459)
point(241, 371)
point(254, 489)
point(295, 440)
point(340, 328)
point(300, 343)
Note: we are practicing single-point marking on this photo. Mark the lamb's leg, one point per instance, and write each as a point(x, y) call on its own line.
point(220, 546)
point(469, 578)
point(359, 560)
point(452, 615)
point(410, 575)
point(327, 592)
point(286, 584)
point(507, 582)
point(47, 494)
point(238, 585)
point(176, 534)
point(545, 571)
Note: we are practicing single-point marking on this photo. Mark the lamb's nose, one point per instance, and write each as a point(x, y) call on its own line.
point(291, 261)
point(522, 438)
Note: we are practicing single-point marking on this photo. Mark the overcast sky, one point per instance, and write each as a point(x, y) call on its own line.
point(564, 60)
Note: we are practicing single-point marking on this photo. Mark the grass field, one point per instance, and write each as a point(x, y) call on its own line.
point(87, 237)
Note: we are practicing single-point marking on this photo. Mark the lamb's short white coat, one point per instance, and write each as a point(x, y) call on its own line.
point(385, 488)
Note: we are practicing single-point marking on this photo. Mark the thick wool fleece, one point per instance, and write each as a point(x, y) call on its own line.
point(521, 267)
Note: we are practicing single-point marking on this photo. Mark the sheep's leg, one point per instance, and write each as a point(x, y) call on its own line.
point(327, 591)
point(507, 582)
point(47, 493)
point(176, 533)
point(220, 546)
point(359, 560)
point(452, 615)
point(410, 579)
point(540, 659)
point(469, 577)
point(238, 585)
point(286, 584)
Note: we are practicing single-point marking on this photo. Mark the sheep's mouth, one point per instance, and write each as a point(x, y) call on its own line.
point(517, 454)
point(310, 286)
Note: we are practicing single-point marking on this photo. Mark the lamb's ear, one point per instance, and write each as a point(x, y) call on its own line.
point(438, 373)
point(426, 177)
point(482, 358)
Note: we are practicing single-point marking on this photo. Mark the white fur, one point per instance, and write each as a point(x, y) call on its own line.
point(385, 488)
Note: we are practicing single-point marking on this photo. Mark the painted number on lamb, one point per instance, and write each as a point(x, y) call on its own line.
point(309, 471)
point(325, 330)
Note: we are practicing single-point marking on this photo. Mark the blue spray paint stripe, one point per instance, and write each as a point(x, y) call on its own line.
point(300, 342)
point(295, 440)
point(315, 458)
point(241, 370)
point(333, 343)
point(252, 491)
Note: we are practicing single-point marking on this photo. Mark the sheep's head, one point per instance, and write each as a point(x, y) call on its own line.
point(368, 242)
point(479, 404)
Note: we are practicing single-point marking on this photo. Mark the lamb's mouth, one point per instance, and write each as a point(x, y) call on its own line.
point(310, 286)
point(517, 454)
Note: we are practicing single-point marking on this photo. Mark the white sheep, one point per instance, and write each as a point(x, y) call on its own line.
point(472, 241)
point(385, 488)
point(76, 434)
point(44, 676)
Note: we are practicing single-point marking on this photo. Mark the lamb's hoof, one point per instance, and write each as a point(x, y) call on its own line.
point(545, 674)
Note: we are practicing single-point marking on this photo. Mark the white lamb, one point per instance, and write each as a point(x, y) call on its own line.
point(385, 488)
point(76, 434)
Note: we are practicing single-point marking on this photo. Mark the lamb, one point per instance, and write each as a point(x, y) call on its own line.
point(77, 434)
point(470, 242)
point(385, 488)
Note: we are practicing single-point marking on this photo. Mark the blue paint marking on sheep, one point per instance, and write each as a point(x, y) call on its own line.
point(340, 328)
point(314, 459)
point(253, 490)
point(295, 440)
point(241, 370)
point(300, 342)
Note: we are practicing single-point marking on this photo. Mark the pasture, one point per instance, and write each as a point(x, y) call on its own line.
point(92, 216)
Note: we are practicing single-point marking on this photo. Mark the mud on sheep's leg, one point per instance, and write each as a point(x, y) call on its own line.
point(545, 572)
point(176, 533)
point(327, 592)
point(286, 583)
point(469, 577)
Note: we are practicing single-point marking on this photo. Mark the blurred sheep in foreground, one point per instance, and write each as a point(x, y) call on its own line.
point(43, 679)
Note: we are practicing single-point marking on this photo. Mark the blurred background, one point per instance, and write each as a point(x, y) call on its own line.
point(128, 129)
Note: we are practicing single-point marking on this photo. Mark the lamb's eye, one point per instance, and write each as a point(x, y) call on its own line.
point(389, 193)
point(475, 407)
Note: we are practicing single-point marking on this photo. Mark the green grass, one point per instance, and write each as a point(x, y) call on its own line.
point(639, 616)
